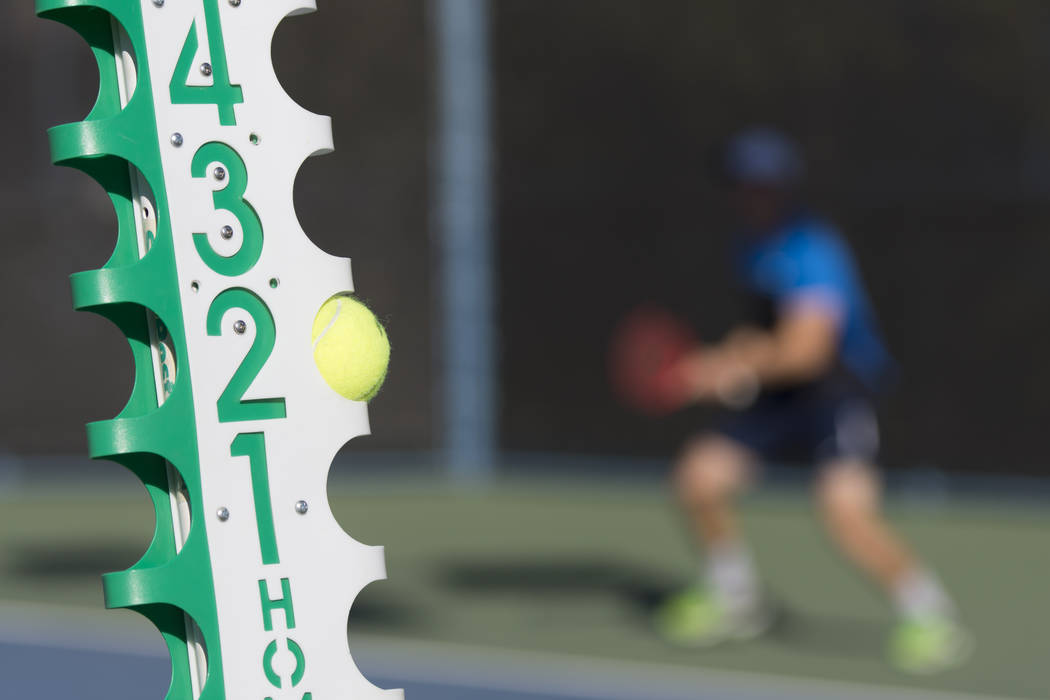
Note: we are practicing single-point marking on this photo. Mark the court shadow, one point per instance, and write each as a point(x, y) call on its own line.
point(637, 587)
point(372, 609)
point(69, 561)
point(828, 635)
point(641, 590)
point(394, 616)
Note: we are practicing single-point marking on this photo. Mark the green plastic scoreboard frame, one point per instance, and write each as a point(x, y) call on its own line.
point(230, 426)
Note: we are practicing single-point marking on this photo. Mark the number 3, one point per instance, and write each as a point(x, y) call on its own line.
point(230, 198)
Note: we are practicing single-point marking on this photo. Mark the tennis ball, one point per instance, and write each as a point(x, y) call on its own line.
point(350, 348)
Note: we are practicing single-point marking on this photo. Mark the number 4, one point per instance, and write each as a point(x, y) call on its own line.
point(221, 93)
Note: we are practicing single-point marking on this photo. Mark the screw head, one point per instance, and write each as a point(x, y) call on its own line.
point(226, 232)
point(205, 69)
point(235, 3)
point(220, 173)
point(158, 3)
point(223, 513)
point(301, 507)
point(177, 140)
point(240, 327)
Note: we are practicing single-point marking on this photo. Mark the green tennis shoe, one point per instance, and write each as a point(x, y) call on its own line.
point(929, 646)
point(696, 618)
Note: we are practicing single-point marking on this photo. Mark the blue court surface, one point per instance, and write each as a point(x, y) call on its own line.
point(50, 654)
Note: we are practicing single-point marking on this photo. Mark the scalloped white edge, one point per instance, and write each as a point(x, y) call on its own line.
point(327, 568)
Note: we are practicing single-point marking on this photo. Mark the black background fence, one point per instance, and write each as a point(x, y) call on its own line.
point(927, 125)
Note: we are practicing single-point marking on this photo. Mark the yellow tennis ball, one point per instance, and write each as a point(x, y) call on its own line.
point(351, 348)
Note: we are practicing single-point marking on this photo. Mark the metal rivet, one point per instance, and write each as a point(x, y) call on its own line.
point(240, 327)
point(196, 287)
point(158, 3)
point(226, 232)
point(223, 513)
point(274, 283)
point(220, 173)
point(235, 3)
point(205, 69)
point(301, 507)
point(177, 140)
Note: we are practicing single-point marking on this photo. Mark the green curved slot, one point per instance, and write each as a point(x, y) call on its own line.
point(162, 585)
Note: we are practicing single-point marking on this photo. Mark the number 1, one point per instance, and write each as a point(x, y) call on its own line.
point(253, 446)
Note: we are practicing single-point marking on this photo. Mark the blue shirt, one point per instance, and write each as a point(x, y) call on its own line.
point(806, 262)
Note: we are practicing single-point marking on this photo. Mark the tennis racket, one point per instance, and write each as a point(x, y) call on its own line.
point(643, 360)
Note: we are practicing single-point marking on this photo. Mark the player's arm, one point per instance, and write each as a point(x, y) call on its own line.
point(812, 290)
point(800, 347)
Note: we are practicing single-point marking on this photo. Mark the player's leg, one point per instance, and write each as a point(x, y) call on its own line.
point(725, 604)
point(849, 494)
point(928, 637)
point(710, 472)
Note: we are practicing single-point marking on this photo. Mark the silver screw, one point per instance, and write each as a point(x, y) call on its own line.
point(223, 513)
point(177, 140)
point(158, 3)
point(235, 3)
point(226, 232)
point(301, 507)
point(240, 327)
point(220, 173)
point(205, 69)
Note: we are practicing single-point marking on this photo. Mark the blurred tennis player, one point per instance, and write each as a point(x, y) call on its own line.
point(805, 366)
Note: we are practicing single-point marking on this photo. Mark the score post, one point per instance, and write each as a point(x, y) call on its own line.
point(231, 427)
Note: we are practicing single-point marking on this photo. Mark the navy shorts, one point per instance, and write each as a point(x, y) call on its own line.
point(815, 423)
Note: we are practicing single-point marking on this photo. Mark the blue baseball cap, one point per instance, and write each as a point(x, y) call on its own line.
point(763, 156)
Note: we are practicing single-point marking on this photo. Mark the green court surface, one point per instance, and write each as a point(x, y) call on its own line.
point(571, 567)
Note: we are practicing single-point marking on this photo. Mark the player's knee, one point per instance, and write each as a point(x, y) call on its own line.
point(708, 471)
point(847, 490)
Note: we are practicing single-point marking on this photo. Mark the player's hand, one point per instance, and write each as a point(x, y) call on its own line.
point(690, 378)
point(735, 383)
point(714, 375)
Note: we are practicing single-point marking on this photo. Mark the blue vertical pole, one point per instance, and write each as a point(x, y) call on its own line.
point(465, 247)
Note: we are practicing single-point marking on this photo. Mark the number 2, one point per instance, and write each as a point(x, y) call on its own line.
point(232, 405)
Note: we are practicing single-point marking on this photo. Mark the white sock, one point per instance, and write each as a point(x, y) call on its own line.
point(920, 595)
point(730, 574)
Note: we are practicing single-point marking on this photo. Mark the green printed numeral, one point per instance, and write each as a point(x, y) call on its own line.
point(231, 199)
point(233, 408)
point(253, 446)
point(220, 93)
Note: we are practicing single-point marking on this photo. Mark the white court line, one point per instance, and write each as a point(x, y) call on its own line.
point(592, 677)
point(483, 668)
